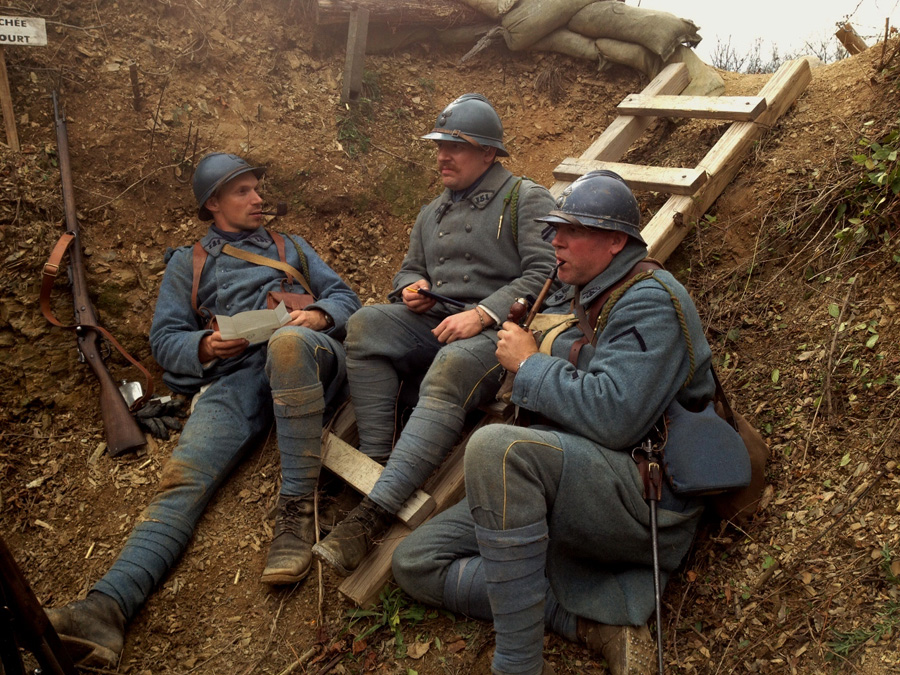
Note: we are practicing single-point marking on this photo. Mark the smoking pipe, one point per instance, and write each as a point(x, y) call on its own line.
point(280, 210)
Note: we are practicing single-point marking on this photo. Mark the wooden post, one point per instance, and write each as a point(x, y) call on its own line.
point(9, 118)
point(444, 14)
point(851, 40)
point(356, 55)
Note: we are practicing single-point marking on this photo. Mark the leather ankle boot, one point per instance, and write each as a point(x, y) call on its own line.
point(349, 542)
point(290, 555)
point(93, 629)
point(628, 650)
point(335, 504)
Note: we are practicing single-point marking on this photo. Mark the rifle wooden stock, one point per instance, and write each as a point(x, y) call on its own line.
point(30, 621)
point(122, 431)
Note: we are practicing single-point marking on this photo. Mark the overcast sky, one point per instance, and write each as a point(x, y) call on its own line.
point(789, 24)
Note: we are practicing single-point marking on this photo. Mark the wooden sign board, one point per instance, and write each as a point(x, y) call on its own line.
point(16, 31)
point(22, 31)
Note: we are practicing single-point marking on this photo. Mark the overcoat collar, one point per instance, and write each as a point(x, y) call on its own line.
point(213, 242)
point(494, 179)
point(627, 258)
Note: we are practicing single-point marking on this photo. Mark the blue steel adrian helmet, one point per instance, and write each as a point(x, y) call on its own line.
point(470, 119)
point(212, 172)
point(598, 199)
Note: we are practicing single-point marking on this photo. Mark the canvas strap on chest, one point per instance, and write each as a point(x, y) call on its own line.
point(589, 322)
point(200, 255)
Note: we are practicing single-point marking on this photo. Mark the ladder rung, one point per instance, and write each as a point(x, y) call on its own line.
point(674, 181)
point(735, 108)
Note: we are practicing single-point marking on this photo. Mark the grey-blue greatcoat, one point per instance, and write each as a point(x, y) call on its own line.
point(468, 254)
point(599, 561)
point(229, 285)
point(471, 250)
point(291, 380)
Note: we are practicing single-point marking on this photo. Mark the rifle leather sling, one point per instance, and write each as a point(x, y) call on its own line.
point(48, 276)
point(588, 323)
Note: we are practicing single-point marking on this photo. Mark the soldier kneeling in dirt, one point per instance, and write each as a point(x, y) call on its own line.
point(554, 530)
point(292, 379)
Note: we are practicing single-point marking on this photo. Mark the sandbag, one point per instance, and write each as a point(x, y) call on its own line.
point(660, 32)
point(492, 8)
point(631, 55)
point(705, 80)
point(572, 44)
point(531, 20)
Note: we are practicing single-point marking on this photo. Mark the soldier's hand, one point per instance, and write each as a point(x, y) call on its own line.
point(158, 416)
point(314, 319)
point(515, 345)
point(212, 346)
point(458, 326)
point(414, 301)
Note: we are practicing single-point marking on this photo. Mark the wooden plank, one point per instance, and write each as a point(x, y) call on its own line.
point(671, 223)
point(447, 486)
point(444, 14)
point(355, 59)
point(9, 119)
point(361, 472)
point(613, 143)
point(657, 178)
point(735, 108)
point(851, 40)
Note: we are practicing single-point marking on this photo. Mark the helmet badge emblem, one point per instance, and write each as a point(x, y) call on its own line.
point(442, 120)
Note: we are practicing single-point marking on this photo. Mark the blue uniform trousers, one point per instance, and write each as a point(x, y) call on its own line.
point(301, 370)
point(386, 343)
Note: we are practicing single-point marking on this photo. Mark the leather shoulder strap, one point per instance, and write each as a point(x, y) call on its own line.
point(723, 400)
point(279, 244)
point(199, 256)
point(587, 322)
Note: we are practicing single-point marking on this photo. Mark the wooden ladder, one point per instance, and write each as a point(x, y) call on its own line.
point(693, 192)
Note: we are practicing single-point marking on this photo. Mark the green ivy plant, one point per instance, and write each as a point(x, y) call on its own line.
point(871, 205)
point(394, 609)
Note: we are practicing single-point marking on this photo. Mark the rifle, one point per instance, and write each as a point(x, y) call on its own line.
point(122, 431)
point(21, 613)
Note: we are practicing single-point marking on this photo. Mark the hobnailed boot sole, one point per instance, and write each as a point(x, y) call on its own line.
point(628, 650)
point(93, 630)
point(87, 653)
point(328, 557)
point(282, 578)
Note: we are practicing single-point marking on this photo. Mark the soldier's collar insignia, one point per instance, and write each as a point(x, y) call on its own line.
point(482, 198)
point(588, 295)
